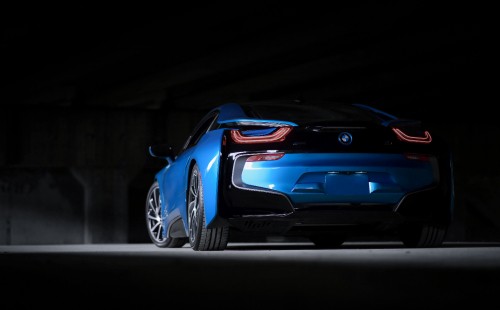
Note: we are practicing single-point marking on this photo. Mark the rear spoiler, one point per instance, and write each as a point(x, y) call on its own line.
point(257, 122)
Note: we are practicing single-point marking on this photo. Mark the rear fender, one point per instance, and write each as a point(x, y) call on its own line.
point(207, 155)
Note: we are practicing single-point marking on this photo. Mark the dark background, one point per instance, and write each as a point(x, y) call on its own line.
point(84, 90)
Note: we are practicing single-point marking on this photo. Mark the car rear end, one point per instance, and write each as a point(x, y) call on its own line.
point(310, 176)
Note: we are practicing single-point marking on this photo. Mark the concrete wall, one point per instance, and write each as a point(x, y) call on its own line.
point(40, 206)
point(66, 175)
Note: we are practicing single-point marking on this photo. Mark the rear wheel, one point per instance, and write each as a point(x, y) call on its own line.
point(418, 235)
point(154, 221)
point(200, 237)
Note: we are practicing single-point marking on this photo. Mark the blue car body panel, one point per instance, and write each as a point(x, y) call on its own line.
point(173, 194)
point(343, 177)
point(207, 156)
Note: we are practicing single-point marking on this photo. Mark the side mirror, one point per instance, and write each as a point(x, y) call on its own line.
point(163, 151)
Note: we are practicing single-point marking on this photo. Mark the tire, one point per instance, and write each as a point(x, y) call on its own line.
point(327, 241)
point(416, 235)
point(154, 222)
point(202, 238)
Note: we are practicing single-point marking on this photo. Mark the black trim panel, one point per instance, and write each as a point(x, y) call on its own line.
point(176, 229)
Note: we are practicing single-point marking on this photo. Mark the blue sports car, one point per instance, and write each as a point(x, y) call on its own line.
point(324, 171)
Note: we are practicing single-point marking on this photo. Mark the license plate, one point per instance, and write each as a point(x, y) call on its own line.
point(347, 184)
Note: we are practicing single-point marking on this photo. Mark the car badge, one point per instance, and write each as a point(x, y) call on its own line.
point(345, 138)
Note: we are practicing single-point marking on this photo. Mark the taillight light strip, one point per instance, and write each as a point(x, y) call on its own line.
point(407, 138)
point(277, 136)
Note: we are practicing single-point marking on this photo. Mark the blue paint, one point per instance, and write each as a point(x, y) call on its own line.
point(344, 177)
point(207, 156)
point(174, 179)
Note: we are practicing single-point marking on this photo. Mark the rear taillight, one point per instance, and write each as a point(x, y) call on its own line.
point(265, 157)
point(277, 135)
point(424, 139)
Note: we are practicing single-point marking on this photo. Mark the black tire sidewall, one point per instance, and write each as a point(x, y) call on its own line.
point(201, 210)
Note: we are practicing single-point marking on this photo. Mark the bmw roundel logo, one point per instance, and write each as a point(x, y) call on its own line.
point(345, 138)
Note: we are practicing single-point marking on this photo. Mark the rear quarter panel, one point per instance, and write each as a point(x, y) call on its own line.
point(174, 179)
point(207, 155)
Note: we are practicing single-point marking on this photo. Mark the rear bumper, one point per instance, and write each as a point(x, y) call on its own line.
point(339, 177)
point(323, 189)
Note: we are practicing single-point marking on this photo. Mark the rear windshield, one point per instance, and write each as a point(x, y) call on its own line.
point(304, 114)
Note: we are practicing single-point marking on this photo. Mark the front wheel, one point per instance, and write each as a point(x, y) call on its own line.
point(202, 238)
point(416, 235)
point(154, 221)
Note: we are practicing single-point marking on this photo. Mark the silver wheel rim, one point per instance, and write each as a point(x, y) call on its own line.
point(155, 224)
point(193, 205)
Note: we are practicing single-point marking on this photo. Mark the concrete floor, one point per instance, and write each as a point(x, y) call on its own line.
point(251, 276)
